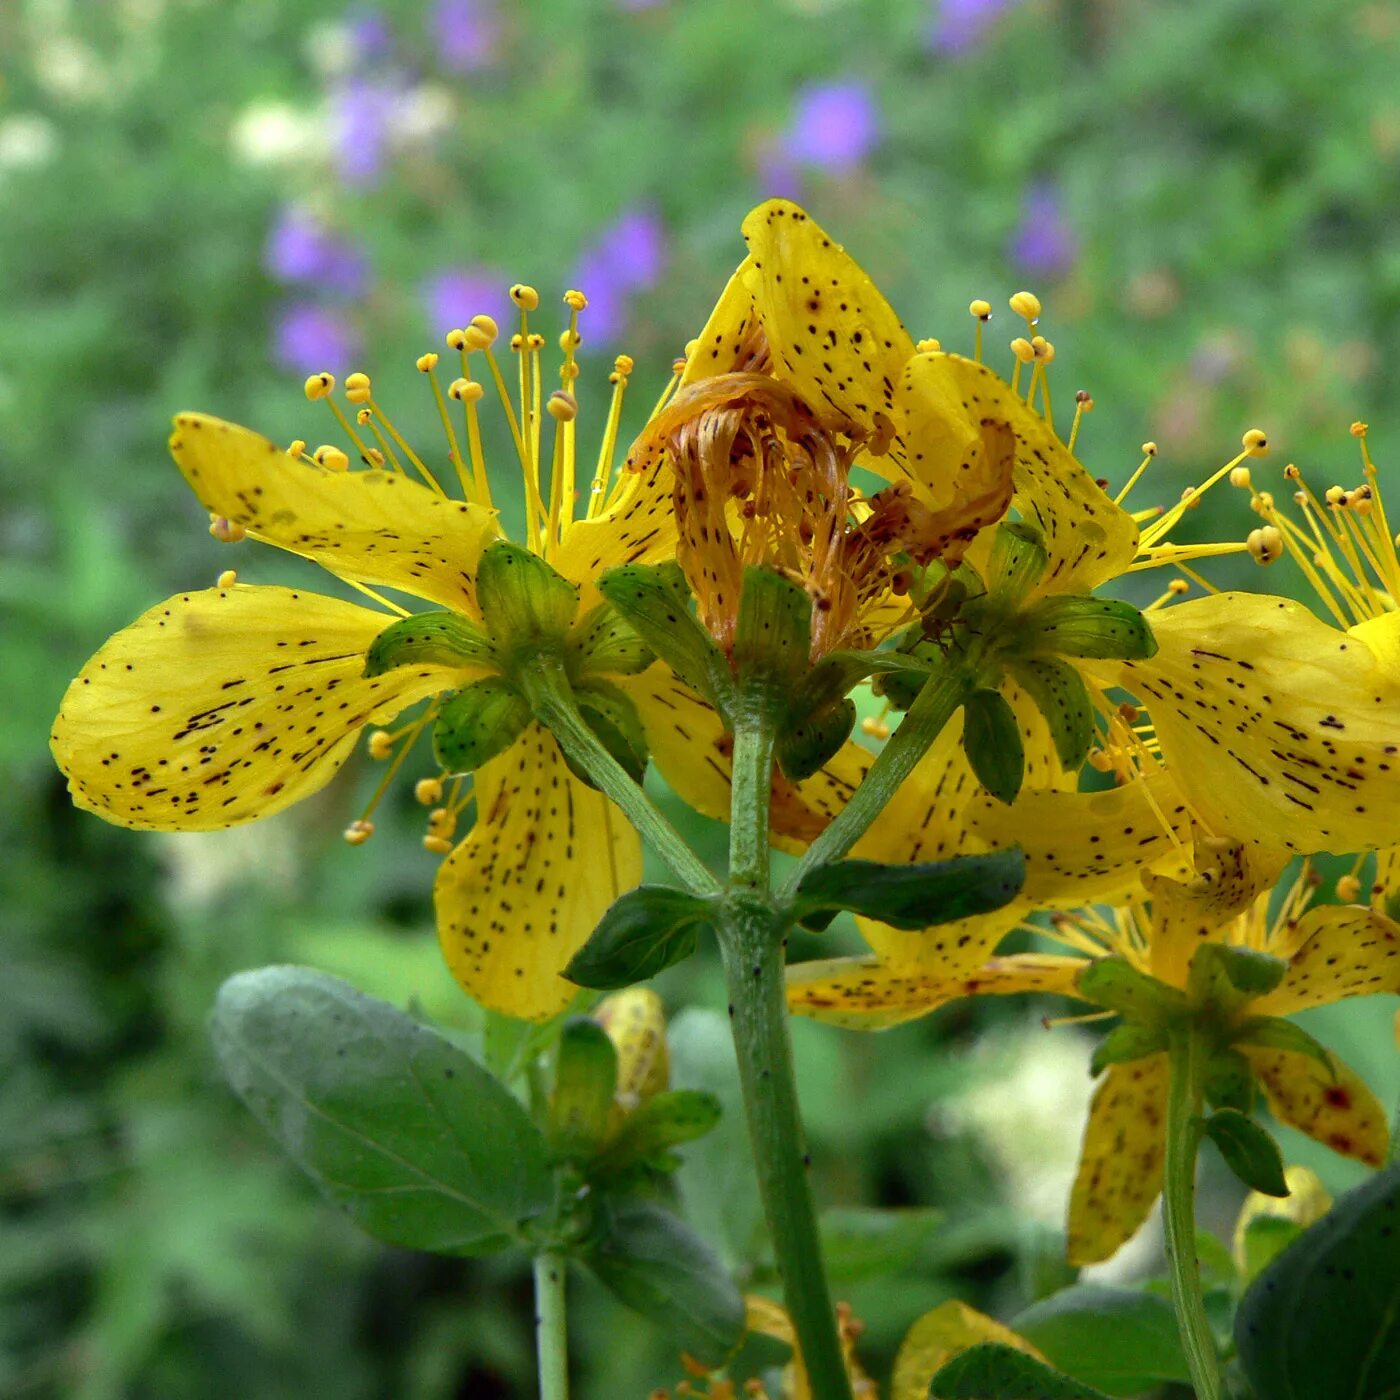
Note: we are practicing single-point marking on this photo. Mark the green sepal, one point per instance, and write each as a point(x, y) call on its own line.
point(585, 1079)
point(478, 723)
point(611, 715)
point(995, 1371)
point(604, 643)
point(658, 1266)
point(655, 599)
point(910, 896)
point(773, 634)
point(654, 1127)
point(1248, 1150)
point(1093, 627)
point(806, 743)
point(436, 638)
point(1125, 1043)
point(1226, 976)
point(1059, 693)
point(1017, 562)
point(1265, 1238)
point(908, 671)
point(1229, 1081)
point(521, 597)
point(992, 742)
point(646, 930)
point(1116, 984)
point(1274, 1033)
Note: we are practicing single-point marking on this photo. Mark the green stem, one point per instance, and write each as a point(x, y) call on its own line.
point(551, 1334)
point(752, 946)
point(1184, 1102)
point(934, 706)
point(547, 689)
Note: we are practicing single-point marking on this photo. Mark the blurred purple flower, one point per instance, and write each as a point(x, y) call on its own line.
point(363, 112)
point(778, 175)
point(960, 25)
point(1044, 244)
point(466, 33)
point(308, 338)
point(300, 249)
point(370, 35)
point(627, 257)
point(836, 125)
point(456, 294)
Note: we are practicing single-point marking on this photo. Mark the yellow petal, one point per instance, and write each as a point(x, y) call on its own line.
point(940, 1335)
point(1341, 1113)
point(1120, 1168)
point(226, 705)
point(1344, 950)
point(635, 1021)
point(1279, 728)
point(725, 344)
point(1382, 637)
point(376, 527)
point(521, 894)
point(871, 995)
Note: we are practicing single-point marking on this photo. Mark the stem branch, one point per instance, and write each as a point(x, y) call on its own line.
point(551, 1335)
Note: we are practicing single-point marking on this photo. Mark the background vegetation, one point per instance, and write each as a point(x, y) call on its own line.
point(203, 200)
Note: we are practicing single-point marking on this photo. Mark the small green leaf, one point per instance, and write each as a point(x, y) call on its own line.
point(611, 715)
point(1119, 1339)
point(439, 638)
point(1265, 1238)
point(910, 896)
point(659, 1267)
point(1130, 1041)
point(521, 597)
point(1248, 1150)
point(655, 599)
point(1227, 976)
point(1091, 627)
point(1322, 1322)
point(479, 723)
point(807, 742)
point(1017, 562)
point(992, 742)
point(604, 643)
point(585, 1078)
point(1059, 693)
point(773, 636)
point(1274, 1033)
point(1229, 1081)
point(657, 1124)
point(994, 1371)
point(648, 929)
point(1116, 984)
point(414, 1139)
point(859, 1243)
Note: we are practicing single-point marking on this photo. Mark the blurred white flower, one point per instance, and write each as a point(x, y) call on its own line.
point(68, 69)
point(27, 139)
point(277, 133)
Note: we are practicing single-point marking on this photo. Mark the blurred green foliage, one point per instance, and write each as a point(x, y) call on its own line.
point(1204, 195)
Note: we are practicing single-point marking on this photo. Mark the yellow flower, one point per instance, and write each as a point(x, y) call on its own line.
point(225, 705)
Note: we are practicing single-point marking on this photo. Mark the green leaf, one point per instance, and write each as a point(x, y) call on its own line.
point(1248, 1150)
point(994, 1371)
point(648, 929)
point(1118, 1339)
point(655, 599)
point(1226, 976)
point(1322, 1322)
point(1116, 984)
point(807, 742)
point(1274, 1033)
point(604, 643)
point(612, 716)
point(585, 1078)
point(1017, 562)
point(441, 638)
point(414, 1139)
point(521, 597)
point(859, 1243)
point(1229, 1081)
point(1059, 693)
point(992, 742)
point(1130, 1041)
point(657, 1124)
point(910, 896)
point(1091, 627)
point(478, 723)
point(1265, 1238)
point(773, 636)
point(658, 1266)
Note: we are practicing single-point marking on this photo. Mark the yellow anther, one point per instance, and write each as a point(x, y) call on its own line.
point(477, 338)
point(427, 363)
point(1023, 350)
point(517, 341)
point(924, 346)
point(296, 447)
point(875, 728)
point(526, 298)
point(534, 341)
point(363, 416)
point(357, 388)
point(358, 832)
point(980, 309)
point(1178, 586)
point(1358, 429)
point(374, 457)
point(331, 458)
point(1044, 350)
point(569, 340)
point(318, 386)
point(1335, 496)
point(569, 370)
point(428, 791)
point(678, 366)
point(624, 364)
point(1291, 472)
point(1348, 889)
point(456, 339)
point(437, 845)
point(1264, 544)
point(575, 300)
point(562, 407)
point(1241, 477)
point(1149, 449)
point(1027, 306)
point(381, 744)
point(1084, 399)
point(358, 380)
point(1256, 443)
point(222, 528)
point(466, 390)
point(1266, 500)
point(1190, 497)
point(228, 578)
point(1100, 761)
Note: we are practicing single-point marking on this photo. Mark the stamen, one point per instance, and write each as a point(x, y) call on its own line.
point(427, 364)
point(1149, 451)
point(224, 529)
point(404, 447)
point(226, 579)
point(358, 832)
point(1083, 403)
point(331, 457)
point(1254, 444)
point(1175, 589)
point(981, 312)
point(1024, 352)
point(469, 393)
point(602, 474)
